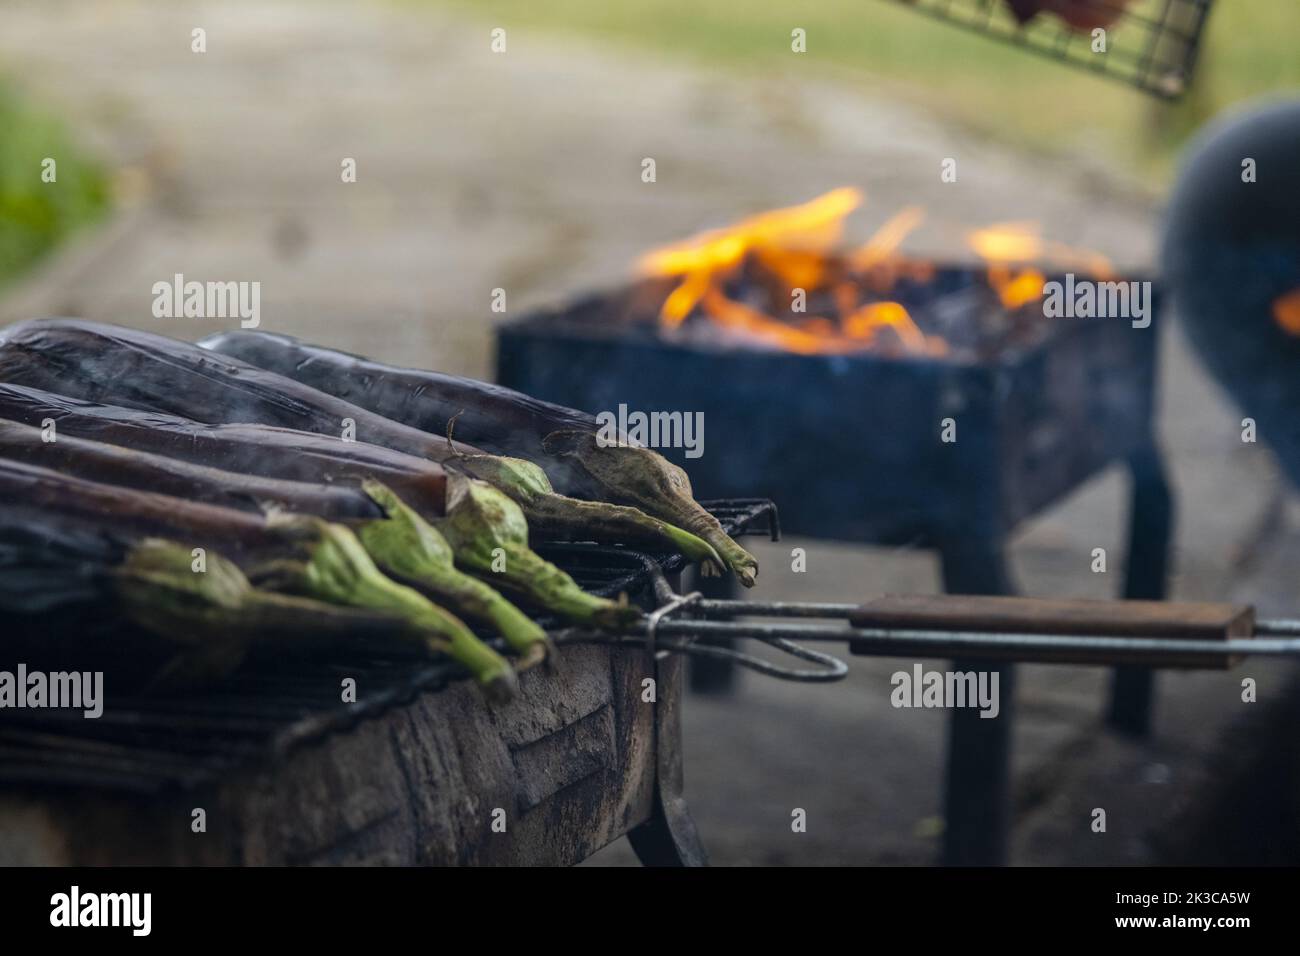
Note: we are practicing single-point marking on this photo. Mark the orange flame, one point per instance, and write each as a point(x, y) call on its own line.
point(882, 246)
point(789, 254)
point(791, 243)
point(1003, 244)
point(1286, 312)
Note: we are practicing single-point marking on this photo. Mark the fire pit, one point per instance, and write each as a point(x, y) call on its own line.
point(882, 400)
point(861, 446)
point(875, 398)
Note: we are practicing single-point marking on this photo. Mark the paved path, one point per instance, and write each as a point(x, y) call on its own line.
point(522, 171)
point(475, 170)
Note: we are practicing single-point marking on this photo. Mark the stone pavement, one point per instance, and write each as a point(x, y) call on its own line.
point(522, 171)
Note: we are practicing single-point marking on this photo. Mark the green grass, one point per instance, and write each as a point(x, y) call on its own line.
point(35, 216)
point(879, 46)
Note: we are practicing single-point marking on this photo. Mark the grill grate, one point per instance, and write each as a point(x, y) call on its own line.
point(144, 744)
point(1151, 44)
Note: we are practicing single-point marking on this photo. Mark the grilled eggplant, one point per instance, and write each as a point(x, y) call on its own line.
point(399, 540)
point(483, 516)
point(499, 420)
point(261, 450)
point(179, 477)
point(76, 594)
point(294, 553)
point(124, 367)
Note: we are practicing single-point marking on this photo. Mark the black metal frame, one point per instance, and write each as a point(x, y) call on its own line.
point(978, 765)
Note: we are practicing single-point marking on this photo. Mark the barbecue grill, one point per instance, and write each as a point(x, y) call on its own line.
point(851, 447)
point(410, 772)
point(1034, 417)
point(418, 769)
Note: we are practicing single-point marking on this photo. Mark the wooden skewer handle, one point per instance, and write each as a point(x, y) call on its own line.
point(1018, 615)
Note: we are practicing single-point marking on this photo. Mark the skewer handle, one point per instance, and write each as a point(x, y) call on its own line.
point(1017, 615)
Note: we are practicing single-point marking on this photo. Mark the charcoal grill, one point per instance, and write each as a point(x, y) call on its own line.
point(1151, 45)
point(850, 446)
point(831, 437)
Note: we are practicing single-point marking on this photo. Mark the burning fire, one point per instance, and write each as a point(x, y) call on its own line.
point(790, 256)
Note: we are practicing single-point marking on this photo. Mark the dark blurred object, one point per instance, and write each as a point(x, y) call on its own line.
point(1247, 813)
point(1025, 10)
point(1232, 261)
point(1079, 14)
point(1150, 46)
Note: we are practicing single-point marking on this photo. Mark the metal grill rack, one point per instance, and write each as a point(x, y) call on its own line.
point(1151, 44)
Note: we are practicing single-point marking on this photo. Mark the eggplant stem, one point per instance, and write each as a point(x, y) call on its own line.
point(572, 519)
point(405, 545)
point(541, 582)
point(489, 535)
point(338, 569)
point(644, 479)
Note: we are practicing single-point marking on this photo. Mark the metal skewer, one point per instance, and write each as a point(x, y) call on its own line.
point(667, 630)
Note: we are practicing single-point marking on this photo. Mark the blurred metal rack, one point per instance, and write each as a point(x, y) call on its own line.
point(1150, 44)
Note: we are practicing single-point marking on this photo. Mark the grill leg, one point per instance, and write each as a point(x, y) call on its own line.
point(707, 675)
point(1150, 525)
point(669, 837)
point(976, 784)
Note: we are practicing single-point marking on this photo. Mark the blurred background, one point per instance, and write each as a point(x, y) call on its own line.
point(522, 170)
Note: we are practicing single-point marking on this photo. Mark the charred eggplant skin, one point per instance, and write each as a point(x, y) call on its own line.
point(154, 374)
point(131, 468)
point(131, 515)
point(112, 365)
point(499, 420)
point(262, 450)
